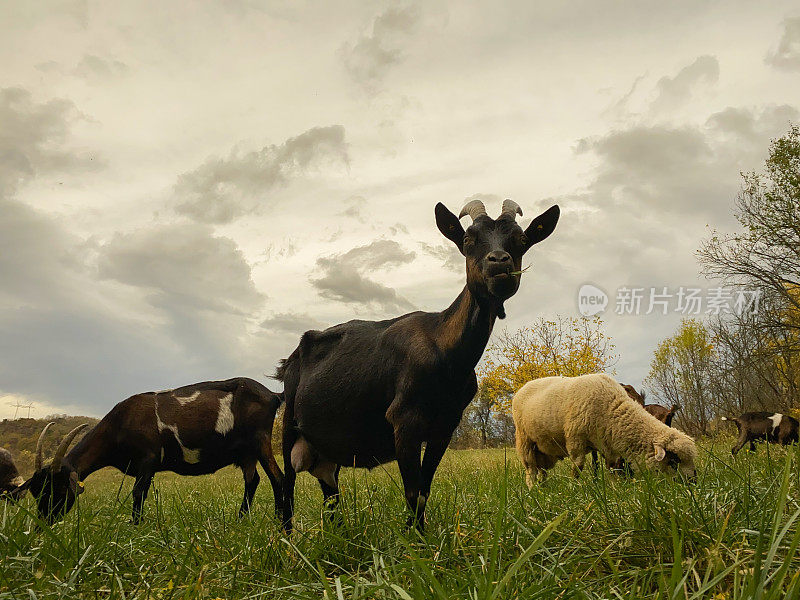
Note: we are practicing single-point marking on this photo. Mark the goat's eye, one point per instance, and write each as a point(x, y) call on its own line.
point(468, 241)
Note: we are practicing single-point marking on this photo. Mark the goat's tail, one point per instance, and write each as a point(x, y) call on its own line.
point(675, 408)
point(734, 420)
point(288, 371)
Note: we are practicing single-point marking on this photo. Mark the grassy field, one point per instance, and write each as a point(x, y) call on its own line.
point(732, 535)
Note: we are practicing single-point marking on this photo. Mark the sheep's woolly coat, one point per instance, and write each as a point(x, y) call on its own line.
point(558, 417)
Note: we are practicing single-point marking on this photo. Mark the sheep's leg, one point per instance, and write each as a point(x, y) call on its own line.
point(577, 454)
point(289, 438)
point(527, 455)
point(251, 479)
point(273, 471)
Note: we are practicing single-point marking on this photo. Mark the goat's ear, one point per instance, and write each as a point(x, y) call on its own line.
point(21, 490)
point(661, 453)
point(450, 226)
point(542, 226)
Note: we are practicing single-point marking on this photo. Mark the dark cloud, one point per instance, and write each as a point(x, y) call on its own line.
point(222, 190)
point(68, 336)
point(291, 322)
point(373, 53)
point(380, 254)
point(184, 265)
point(32, 137)
point(451, 258)
point(753, 128)
point(97, 68)
point(787, 55)
point(355, 208)
point(674, 169)
point(344, 276)
point(674, 91)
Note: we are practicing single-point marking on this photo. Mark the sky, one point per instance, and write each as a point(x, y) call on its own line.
point(186, 187)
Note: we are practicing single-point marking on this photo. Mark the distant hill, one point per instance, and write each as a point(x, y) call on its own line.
point(19, 437)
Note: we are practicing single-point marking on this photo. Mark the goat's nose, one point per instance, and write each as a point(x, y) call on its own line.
point(498, 256)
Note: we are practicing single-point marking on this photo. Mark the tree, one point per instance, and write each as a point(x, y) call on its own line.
point(680, 373)
point(563, 346)
point(765, 254)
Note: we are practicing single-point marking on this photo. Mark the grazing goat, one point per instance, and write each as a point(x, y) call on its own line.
point(10, 480)
point(558, 417)
point(662, 413)
point(364, 393)
point(776, 428)
point(192, 430)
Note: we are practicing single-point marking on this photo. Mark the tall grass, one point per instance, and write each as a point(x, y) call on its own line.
point(734, 534)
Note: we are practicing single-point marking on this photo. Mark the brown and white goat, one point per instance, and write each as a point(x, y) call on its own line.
point(191, 430)
point(775, 428)
point(10, 479)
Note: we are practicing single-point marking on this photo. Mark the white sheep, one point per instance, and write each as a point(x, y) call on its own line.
point(558, 417)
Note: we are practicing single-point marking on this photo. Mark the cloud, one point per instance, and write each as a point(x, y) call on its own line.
point(369, 58)
point(291, 322)
point(674, 91)
point(222, 190)
point(184, 265)
point(451, 258)
point(344, 279)
point(355, 208)
point(787, 55)
point(32, 137)
point(690, 169)
point(97, 68)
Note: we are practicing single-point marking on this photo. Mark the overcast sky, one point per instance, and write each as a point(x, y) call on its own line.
point(187, 187)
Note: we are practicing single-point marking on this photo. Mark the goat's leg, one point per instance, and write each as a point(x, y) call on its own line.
point(408, 459)
point(740, 443)
point(331, 495)
point(273, 471)
point(289, 438)
point(434, 451)
point(251, 479)
point(140, 488)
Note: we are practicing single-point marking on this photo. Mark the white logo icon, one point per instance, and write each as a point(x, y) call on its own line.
point(591, 300)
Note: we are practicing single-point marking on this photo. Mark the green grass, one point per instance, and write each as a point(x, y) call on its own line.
point(732, 535)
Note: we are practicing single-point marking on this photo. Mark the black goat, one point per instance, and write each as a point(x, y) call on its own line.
point(192, 430)
point(10, 479)
point(772, 427)
point(364, 393)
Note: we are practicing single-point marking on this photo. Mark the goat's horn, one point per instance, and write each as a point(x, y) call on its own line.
point(473, 208)
point(510, 209)
point(62, 447)
point(40, 446)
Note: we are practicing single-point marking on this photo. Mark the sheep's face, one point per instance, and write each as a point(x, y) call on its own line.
point(676, 458)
